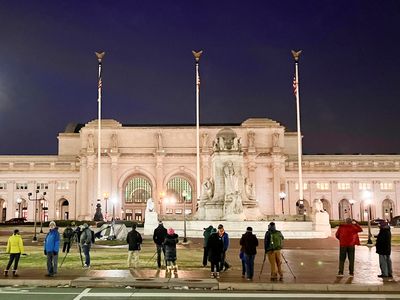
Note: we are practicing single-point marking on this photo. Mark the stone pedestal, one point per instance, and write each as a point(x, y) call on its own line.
point(150, 222)
point(321, 223)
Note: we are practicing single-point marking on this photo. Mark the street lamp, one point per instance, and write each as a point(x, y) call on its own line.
point(367, 196)
point(105, 195)
point(184, 194)
point(19, 201)
point(351, 201)
point(113, 201)
point(282, 196)
point(36, 200)
point(41, 211)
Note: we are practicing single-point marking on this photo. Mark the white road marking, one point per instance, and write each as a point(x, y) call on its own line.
point(83, 294)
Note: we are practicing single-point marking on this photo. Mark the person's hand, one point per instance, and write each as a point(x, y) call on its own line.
point(45, 252)
point(55, 253)
point(353, 222)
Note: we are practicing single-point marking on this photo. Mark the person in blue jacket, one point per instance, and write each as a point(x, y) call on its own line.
point(51, 248)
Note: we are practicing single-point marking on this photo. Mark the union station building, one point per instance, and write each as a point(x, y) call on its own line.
point(159, 162)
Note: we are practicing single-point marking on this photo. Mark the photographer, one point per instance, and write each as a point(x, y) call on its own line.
point(86, 243)
point(134, 240)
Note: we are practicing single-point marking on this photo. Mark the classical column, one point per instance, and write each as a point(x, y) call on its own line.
point(90, 209)
point(72, 208)
point(159, 178)
point(396, 211)
point(276, 169)
point(82, 205)
point(114, 183)
point(334, 195)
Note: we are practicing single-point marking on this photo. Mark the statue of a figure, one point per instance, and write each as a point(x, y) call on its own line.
point(234, 205)
point(159, 141)
point(150, 205)
point(231, 179)
point(114, 142)
point(318, 206)
point(98, 216)
point(204, 145)
point(90, 143)
point(236, 142)
point(250, 189)
point(275, 139)
point(221, 143)
point(207, 192)
point(250, 137)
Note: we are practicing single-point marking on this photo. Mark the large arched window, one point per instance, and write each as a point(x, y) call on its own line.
point(137, 190)
point(176, 186)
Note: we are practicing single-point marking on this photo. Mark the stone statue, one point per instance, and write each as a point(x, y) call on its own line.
point(233, 205)
point(236, 144)
point(231, 179)
point(275, 139)
point(221, 143)
point(250, 189)
point(207, 192)
point(98, 216)
point(90, 143)
point(204, 144)
point(150, 205)
point(250, 137)
point(318, 206)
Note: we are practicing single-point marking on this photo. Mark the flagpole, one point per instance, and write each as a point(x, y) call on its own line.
point(296, 55)
point(100, 56)
point(197, 58)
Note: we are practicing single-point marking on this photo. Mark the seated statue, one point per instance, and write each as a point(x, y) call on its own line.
point(150, 205)
point(207, 191)
point(318, 206)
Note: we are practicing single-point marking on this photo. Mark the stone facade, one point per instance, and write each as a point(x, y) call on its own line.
point(140, 162)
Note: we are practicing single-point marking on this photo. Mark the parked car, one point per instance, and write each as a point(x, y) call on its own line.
point(395, 221)
point(16, 221)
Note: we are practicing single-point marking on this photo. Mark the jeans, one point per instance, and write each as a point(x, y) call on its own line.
point(51, 263)
point(274, 258)
point(86, 251)
point(215, 266)
point(244, 265)
point(205, 256)
point(159, 249)
point(249, 265)
point(349, 252)
point(135, 255)
point(14, 257)
point(385, 263)
point(66, 246)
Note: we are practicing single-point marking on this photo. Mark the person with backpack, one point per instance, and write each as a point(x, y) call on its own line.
point(15, 247)
point(67, 238)
point(206, 235)
point(273, 243)
point(159, 237)
point(51, 248)
point(225, 239)
point(170, 251)
point(86, 243)
point(249, 243)
point(134, 240)
point(384, 249)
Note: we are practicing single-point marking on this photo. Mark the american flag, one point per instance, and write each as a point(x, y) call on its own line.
point(295, 86)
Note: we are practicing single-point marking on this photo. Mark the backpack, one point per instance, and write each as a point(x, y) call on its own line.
point(276, 240)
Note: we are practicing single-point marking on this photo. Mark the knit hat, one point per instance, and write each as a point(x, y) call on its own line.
point(249, 229)
point(171, 231)
point(52, 224)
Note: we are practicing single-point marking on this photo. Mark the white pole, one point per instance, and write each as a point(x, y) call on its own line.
point(99, 87)
point(197, 58)
point(299, 141)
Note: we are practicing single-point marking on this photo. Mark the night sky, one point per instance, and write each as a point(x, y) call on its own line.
point(349, 68)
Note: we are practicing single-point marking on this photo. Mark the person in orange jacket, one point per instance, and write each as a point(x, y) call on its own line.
point(347, 234)
point(15, 247)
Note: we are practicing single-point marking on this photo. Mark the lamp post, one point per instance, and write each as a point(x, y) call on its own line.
point(351, 201)
point(105, 195)
point(19, 201)
point(184, 194)
point(282, 196)
point(367, 196)
point(35, 213)
point(41, 211)
point(113, 201)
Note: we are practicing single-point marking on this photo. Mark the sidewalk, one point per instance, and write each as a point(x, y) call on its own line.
point(313, 262)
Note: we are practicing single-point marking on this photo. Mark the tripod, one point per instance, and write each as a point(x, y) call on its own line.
point(76, 239)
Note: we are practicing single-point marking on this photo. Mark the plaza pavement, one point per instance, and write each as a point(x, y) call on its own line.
point(314, 263)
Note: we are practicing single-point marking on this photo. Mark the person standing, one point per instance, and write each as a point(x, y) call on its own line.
point(170, 250)
point(134, 240)
point(206, 235)
point(51, 248)
point(384, 248)
point(15, 247)
point(215, 247)
point(347, 234)
point(86, 243)
point(273, 242)
point(249, 243)
point(225, 239)
point(159, 237)
point(67, 238)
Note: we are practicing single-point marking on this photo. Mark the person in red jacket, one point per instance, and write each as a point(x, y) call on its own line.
point(347, 234)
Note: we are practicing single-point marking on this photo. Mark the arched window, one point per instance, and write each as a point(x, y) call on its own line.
point(138, 190)
point(176, 186)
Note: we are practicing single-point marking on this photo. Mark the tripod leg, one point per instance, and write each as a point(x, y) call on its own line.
point(65, 256)
point(287, 263)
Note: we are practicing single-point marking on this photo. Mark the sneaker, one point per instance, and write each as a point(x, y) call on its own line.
point(6, 273)
point(85, 266)
point(339, 275)
point(212, 275)
point(49, 275)
point(217, 275)
point(382, 276)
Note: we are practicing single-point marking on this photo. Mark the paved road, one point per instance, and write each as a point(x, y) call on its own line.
point(23, 293)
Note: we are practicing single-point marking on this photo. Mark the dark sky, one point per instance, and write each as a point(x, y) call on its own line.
point(349, 68)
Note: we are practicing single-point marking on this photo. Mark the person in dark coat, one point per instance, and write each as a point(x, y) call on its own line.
point(215, 249)
point(158, 237)
point(206, 235)
point(249, 242)
point(67, 238)
point(134, 240)
point(384, 248)
point(170, 250)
